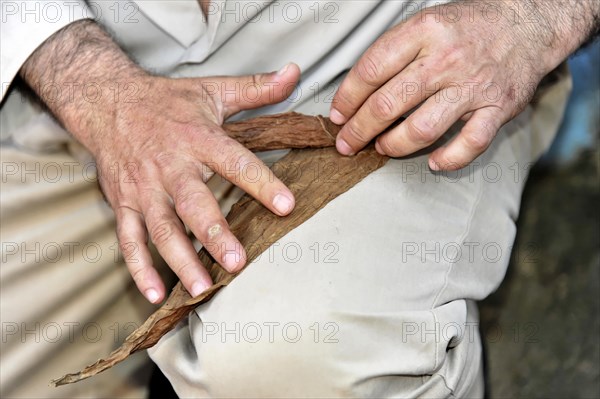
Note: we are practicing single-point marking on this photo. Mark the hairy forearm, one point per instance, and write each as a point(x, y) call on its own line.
point(78, 74)
point(572, 22)
point(556, 27)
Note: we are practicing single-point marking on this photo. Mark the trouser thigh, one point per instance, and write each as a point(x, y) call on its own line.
point(374, 295)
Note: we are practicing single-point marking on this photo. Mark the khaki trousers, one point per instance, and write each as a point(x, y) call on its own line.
point(373, 296)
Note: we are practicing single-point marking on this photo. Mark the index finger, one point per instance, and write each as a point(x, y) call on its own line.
point(388, 56)
point(241, 167)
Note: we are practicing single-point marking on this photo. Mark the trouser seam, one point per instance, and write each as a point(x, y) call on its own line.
point(462, 238)
point(450, 265)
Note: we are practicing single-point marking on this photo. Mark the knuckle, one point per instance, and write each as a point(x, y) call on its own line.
point(207, 139)
point(419, 131)
point(122, 232)
point(257, 79)
point(449, 163)
point(383, 106)
point(185, 271)
point(186, 199)
point(262, 188)
point(436, 118)
point(476, 141)
point(343, 100)
point(186, 202)
point(388, 147)
point(152, 209)
point(486, 72)
point(454, 56)
point(244, 169)
point(367, 70)
point(163, 159)
point(128, 249)
point(210, 151)
point(235, 162)
point(356, 134)
point(238, 159)
point(388, 42)
point(138, 274)
point(189, 129)
point(182, 182)
point(162, 232)
point(228, 148)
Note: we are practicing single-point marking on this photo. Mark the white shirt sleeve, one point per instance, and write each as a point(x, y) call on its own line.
point(27, 24)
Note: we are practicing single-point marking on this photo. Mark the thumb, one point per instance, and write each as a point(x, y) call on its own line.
point(239, 93)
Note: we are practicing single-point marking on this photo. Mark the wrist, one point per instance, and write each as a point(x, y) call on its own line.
point(549, 31)
point(92, 111)
point(82, 76)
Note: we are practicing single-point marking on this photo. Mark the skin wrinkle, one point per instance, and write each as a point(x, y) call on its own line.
point(147, 138)
point(528, 40)
point(126, 132)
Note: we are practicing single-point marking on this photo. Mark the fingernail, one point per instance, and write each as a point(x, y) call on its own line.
point(378, 148)
point(434, 165)
point(198, 288)
point(151, 295)
point(336, 117)
point(343, 147)
point(231, 260)
point(283, 204)
point(283, 69)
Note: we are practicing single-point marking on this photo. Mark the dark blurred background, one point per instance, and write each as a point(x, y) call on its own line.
point(541, 328)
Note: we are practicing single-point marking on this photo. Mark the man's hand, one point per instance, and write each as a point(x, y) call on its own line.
point(478, 61)
point(156, 148)
point(168, 144)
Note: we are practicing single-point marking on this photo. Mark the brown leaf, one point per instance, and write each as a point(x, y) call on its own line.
point(315, 176)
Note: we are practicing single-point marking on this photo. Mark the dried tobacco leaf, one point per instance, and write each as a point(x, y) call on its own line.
point(315, 176)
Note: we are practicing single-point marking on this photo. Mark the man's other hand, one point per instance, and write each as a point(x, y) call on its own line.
point(478, 61)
